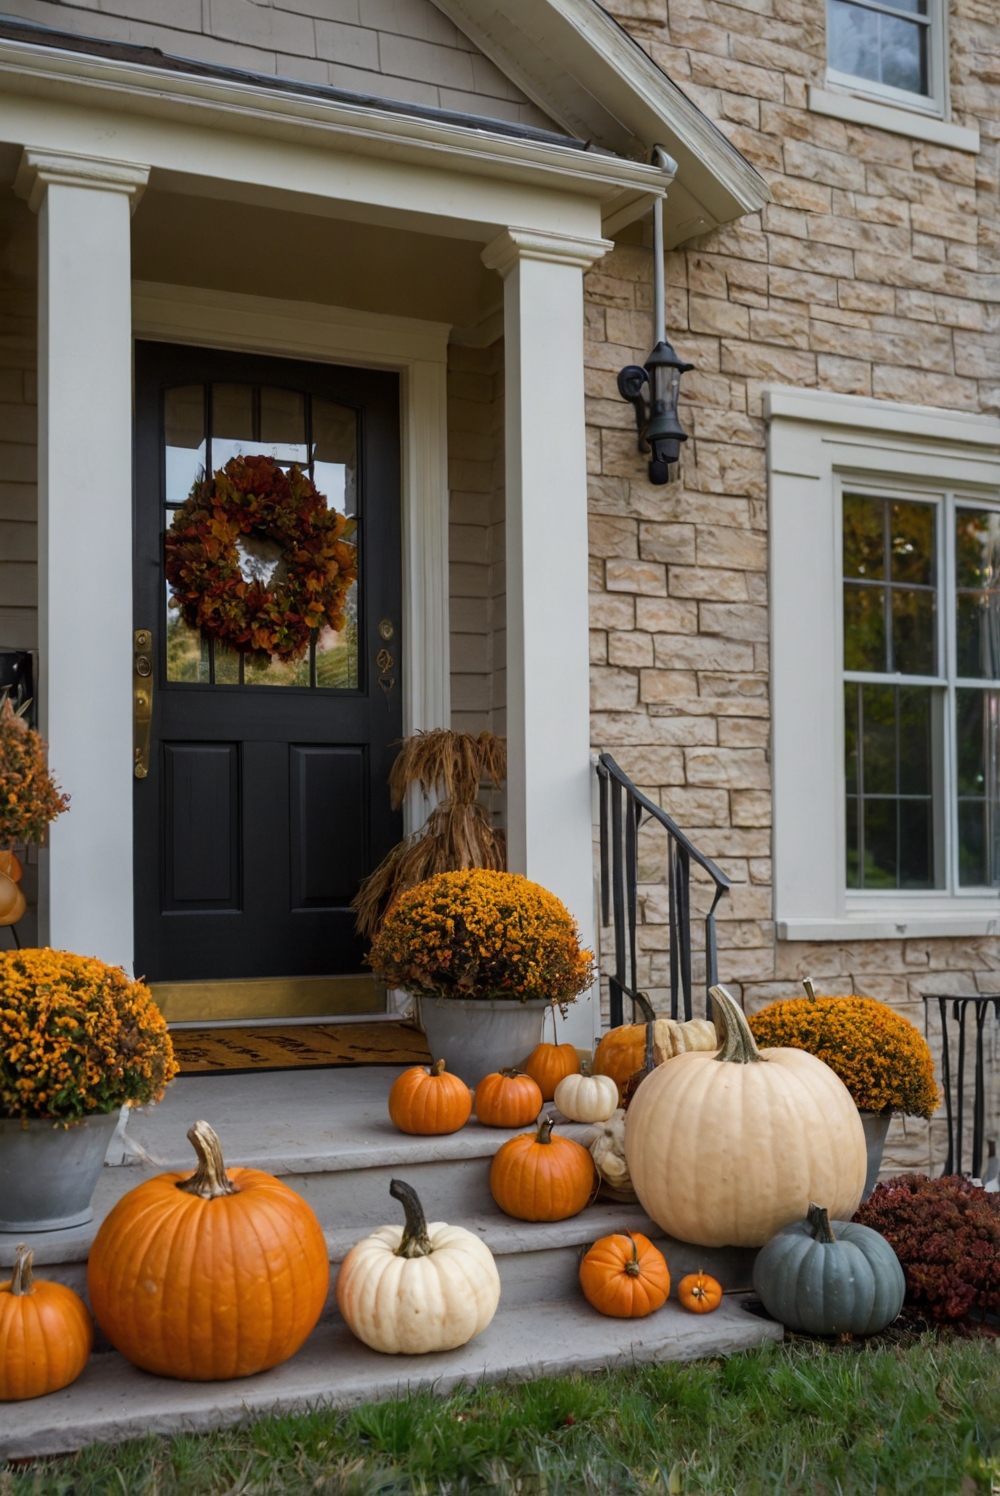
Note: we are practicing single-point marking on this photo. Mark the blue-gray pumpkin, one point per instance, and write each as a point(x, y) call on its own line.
point(828, 1278)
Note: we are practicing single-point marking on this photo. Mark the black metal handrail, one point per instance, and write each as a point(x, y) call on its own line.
point(954, 1096)
point(623, 809)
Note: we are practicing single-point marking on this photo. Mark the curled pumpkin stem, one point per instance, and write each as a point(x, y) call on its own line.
point(819, 1219)
point(209, 1180)
point(738, 1046)
point(22, 1280)
point(415, 1240)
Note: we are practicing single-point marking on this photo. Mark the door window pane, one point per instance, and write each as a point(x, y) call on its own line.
point(978, 772)
point(184, 439)
point(318, 435)
point(889, 784)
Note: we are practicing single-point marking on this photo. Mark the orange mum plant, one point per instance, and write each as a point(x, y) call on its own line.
point(881, 1057)
point(77, 1037)
point(29, 796)
point(482, 934)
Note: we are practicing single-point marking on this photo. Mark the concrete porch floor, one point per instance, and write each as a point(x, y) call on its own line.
point(327, 1134)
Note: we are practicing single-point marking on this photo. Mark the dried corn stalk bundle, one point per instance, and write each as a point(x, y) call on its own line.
point(458, 833)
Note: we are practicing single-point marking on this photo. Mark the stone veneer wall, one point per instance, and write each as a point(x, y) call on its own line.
point(874, 271)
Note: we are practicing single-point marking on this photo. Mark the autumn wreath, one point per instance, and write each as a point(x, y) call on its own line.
point(254, 505)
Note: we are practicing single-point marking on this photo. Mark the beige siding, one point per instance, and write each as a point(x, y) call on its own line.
point(400, 49)
point(475, 477)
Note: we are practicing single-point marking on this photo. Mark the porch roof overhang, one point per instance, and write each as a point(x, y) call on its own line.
point(59, 70)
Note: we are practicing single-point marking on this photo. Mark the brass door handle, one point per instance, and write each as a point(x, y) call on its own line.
point(142, 699)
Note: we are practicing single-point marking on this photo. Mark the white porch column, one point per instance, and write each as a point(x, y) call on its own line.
point(85, 539)
point(548, 683)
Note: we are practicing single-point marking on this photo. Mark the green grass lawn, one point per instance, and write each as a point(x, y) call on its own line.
point(919, 1416)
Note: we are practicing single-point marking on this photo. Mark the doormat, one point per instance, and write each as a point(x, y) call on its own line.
point(299, 1046)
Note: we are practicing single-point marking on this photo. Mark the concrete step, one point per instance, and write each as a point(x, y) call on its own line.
point(113, 1401)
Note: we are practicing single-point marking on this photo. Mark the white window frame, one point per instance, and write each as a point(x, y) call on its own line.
point(936, 102)
point(818, 445)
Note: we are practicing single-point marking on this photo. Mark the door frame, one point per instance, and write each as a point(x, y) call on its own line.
point(415, 349)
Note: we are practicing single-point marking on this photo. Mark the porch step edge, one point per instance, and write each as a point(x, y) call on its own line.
point(113, 1401)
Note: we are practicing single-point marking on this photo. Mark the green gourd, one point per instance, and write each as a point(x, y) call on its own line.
point(829, 1278)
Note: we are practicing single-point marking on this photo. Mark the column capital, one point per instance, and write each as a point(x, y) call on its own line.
point(40, 168)
point(515, 244)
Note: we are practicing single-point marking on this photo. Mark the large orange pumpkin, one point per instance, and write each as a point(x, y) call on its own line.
point(507, 1099)
point(211, 1275)
point(548, 1064)
point(625, 1275)
point(46, 1334)
point(538, 1177)
point(429, 1102)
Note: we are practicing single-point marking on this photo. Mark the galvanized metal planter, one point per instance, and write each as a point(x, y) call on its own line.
point(475, 1037)
point(876, 1126)
point(48, 1174)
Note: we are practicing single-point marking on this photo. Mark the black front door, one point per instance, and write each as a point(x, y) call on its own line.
point(265, 800)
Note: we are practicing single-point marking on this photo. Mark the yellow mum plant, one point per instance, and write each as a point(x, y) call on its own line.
point(77, 1037)
point(482, 934)
point(881, 1057)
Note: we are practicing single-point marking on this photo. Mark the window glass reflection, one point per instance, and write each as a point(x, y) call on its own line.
point(184, 439)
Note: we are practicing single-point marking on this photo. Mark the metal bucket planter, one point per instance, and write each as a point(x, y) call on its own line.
point(475, 1037)
point(876, 1126)
point(48, 1174)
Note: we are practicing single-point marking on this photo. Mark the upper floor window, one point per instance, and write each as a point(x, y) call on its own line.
point(889, 49)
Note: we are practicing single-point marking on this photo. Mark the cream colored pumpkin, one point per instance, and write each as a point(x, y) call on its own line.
point(587, 1098)
point(419, 1288)
point(728, 1149)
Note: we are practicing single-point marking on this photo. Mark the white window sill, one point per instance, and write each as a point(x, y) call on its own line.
point(860, 111)
point(898, 923)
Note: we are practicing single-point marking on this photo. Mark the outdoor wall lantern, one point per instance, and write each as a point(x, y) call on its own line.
point(659, 430)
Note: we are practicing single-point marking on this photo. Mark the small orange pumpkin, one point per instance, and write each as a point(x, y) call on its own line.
point(699, 1293)
point(625, 1275)
point(538, 1177)
point(10, 865)
point(429, 1102)
point(507, 1099)
point(12, 900)
point(548, 1064)
point(46, 1334)
point(210, 1275)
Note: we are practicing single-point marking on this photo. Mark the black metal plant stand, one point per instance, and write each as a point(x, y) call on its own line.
point(623, 810)
point(954, 1096)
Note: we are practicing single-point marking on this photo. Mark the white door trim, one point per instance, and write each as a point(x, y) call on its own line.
point(418, 350)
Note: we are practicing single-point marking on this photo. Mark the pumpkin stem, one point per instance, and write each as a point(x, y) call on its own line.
point(511, 1073)
point(819, 1219)
point(544, 1133)
point(632, 1268)
point(807, 983)
point(436, 1068)
point(209, 1180)
point(738, 1045)
point(22, 1281)
point(415, 1241)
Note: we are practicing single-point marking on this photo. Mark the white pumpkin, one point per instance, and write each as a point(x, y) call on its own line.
point(419, 1288)
point(727, 1149)
point(587, 1098)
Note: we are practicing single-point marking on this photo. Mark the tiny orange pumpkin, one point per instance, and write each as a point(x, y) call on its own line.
point(624, 1275)
point(429, 1102)
point(699, 1293)
point(507, 1099)
point(46, 1334)
point(548, 1064)
point(538, 1177)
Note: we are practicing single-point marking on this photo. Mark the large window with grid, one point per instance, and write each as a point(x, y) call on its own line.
point(921, 632)
point(891, 49)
